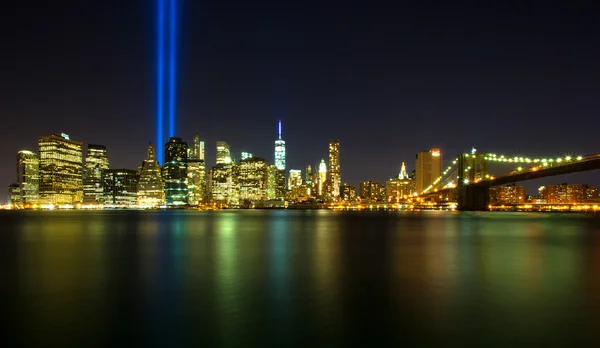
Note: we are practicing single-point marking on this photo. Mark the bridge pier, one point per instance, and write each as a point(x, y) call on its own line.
point(473, 198)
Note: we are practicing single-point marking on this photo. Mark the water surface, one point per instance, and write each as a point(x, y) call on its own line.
point(298, 278)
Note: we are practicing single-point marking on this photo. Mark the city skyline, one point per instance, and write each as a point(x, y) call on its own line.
point(429, 89)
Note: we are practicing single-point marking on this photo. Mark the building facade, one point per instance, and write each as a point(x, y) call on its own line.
point(334, 167)
point(96, 161)
point(151, 191)
point(223, 153)
point(348, 193)
point(254, 179)
point(510, 194)
point(196, 172)
point(174, 172)
point(371, 191)
point(120, 187)
point(428, 168)
point(565, 193)
point(28, 178)
point(61, 174)
point(295, 178)
point(322, 177)
point(224, 184)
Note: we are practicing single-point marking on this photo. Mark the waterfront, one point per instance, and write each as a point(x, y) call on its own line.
point(297, 278)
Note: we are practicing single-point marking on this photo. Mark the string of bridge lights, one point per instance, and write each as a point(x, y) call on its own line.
point(544, 162)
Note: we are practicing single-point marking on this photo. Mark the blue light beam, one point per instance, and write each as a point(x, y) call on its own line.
point(172, 67)
point(160, 71)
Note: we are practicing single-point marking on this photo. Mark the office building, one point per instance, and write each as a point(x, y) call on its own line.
point(428, 168)
point(120, 187)
point(371, 191)
point(174, 172)
point(196, 172)
point(28, 177)
point(295, 178)
point(348, 193)
point(280, 151)
point(223, 153)
point(150, 186)
point(254, 179)
point(197, 150)
point(61, 176)
point(96, 161)
point(322, 176)
point(272, 182)
point(224, 184)
point(334, 167)
point(400, 187)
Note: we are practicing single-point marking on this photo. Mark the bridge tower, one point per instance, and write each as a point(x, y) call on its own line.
point(472, 168)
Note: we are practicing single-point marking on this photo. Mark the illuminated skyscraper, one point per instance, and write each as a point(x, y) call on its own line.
point(196, 181)
point(150, 186)
point(280, 151)
point(295, 178)
point(61, 176)
point(196, 172)
point(272, 182)
point(334, 167)
point(246, 155)
point(254, 179)
point(428, 168)
point(175, 172)
point(224, 184)
point(197, 149)
point(28, 177)
point(120, 187)
point(309, 179)
point(322, 176)
point(95, 162)
point(223, 153)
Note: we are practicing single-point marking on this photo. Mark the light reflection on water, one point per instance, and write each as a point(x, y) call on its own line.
point(293, 278)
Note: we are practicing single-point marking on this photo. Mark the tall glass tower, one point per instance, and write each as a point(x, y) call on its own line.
point(334, 166)
point(280, 151)
point(28, 176)
point(150, 186)
point(175, 171)
point(96, 162)
point(280, 164)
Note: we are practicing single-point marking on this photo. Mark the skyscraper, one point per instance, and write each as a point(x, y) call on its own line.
point(96, 162)
point(223, 153)
point(334, 167)
point(295, 178)
point(280, 164)
point(309, 179)
point(150, 186)
point(28, 177)
point(197, 149)
point(280, 151)
point(254, 179)
point(120, 187)
point(196, 172)
point(61, 177)
point(428, 168)
point(175, 172)
point(322, 176)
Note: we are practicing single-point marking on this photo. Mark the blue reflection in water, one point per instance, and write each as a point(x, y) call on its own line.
point(280, 258)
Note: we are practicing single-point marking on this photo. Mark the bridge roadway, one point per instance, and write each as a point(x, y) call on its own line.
point(475, 196)
point(537, 172)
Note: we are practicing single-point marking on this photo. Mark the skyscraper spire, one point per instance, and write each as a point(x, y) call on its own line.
point(279, 130)
point(403, 174)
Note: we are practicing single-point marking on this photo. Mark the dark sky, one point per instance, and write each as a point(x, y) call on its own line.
point(386, 79)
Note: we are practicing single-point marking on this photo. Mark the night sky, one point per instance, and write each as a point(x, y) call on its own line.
point(386, 79)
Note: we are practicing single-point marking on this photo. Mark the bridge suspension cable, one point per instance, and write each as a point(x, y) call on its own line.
point(437, 181)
